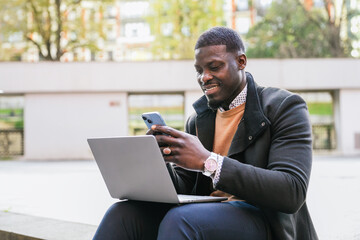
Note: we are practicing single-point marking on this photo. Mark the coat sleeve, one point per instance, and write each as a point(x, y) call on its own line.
point(282, 185)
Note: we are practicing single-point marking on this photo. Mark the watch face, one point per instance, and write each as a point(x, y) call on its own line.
point(210, 165)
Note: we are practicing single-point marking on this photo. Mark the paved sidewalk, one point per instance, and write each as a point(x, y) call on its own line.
point(74, 191)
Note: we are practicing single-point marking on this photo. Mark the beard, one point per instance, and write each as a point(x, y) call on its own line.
point(213, 105)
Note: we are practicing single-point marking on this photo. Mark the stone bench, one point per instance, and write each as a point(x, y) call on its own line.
point(14, 226)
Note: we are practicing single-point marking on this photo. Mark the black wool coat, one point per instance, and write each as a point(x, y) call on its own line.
point(269, 160)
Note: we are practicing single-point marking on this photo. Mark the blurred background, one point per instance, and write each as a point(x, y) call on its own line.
point(137, 56)
point(73, 69)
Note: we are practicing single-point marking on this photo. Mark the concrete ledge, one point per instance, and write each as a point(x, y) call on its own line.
point(14, 226)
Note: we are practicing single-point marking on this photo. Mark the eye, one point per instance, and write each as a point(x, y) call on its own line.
point(215, 67)
point(198, 71)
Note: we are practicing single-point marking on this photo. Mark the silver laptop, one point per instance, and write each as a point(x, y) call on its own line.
point(133, 168)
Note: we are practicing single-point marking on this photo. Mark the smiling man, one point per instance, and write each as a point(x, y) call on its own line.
point(246, 142)
point(217, 73)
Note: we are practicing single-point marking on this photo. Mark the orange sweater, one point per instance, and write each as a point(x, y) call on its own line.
point(226, 124)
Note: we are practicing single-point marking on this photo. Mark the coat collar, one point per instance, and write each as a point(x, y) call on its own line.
point(253, 123)
point(205, 123)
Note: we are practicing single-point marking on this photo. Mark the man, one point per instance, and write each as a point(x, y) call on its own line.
point(250, 143)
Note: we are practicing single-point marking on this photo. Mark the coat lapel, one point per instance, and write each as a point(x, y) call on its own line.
point(205, 123)
point(253, 123)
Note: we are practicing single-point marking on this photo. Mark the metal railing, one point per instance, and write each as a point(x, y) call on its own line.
point(11, 142)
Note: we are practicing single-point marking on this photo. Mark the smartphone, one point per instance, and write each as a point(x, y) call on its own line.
point(153, 118)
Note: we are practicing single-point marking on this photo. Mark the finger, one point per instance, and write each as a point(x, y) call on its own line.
point(167, 130)
point(164, 140)
point(170, 158)
point(169, 150)
point(161, 144)
point(150, 132)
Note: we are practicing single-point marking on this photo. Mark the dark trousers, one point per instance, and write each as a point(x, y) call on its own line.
point(145, 220)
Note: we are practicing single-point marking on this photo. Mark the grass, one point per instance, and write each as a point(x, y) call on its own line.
point(16, 124)
point(320, 108)
point(9, 112)
point(163, 110)
point(12, 117)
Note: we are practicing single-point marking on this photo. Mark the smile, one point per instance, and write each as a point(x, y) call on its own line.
point(210, 89)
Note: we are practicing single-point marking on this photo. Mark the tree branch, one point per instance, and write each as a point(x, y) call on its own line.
point(310, 17)
point(39, 29)
point(37, 45)
point(342, 13)
point(59, 51)
point(327, 5)
point(72, 5)
point(36, 18)
point(48, 31)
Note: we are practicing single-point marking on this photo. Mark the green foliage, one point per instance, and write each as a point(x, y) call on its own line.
point(10, 112)
point(13, 118)
point(288, 30)
point(165, 110)
point(19, 124)
point(320, 108)
point(54, 27)
point(177, 24)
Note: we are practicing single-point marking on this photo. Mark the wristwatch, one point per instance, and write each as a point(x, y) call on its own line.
point(210, 165)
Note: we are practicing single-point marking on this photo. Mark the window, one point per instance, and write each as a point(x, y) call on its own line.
point(320, 105)
point(11, 112)
point(11, 126)
point(170, 106)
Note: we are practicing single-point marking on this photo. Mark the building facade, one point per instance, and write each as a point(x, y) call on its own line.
point(64, 104)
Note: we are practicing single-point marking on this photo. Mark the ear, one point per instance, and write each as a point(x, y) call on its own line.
point(241, 61)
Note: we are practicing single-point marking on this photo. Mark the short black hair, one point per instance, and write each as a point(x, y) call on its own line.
point(221, 36)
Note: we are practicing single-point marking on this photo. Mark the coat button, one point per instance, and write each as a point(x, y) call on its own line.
point(263, 124)
point(250, 138)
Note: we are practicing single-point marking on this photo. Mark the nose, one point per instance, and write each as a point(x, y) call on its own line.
point(205, 76)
